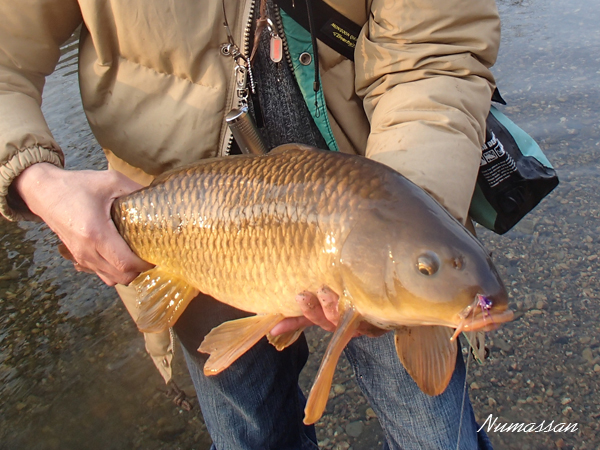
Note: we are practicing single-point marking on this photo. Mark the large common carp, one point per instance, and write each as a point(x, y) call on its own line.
point(254, 231)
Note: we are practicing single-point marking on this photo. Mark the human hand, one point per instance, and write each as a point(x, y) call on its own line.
point(321, 309)
point(76, 206)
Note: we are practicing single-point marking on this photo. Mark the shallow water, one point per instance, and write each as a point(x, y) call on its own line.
point(73, 371)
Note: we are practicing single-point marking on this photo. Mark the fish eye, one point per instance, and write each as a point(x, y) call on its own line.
point(428, 263)
point(458, 263)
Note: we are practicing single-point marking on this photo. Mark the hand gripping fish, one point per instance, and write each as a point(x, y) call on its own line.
point(254, 231)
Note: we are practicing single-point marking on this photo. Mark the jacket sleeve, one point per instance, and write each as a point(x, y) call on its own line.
point(30, 38)
point(422, 69)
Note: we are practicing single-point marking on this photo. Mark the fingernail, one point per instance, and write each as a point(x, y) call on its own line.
point(301, 297)
point(324, 290)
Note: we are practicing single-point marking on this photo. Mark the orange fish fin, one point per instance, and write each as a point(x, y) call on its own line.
point(476, 340)
point(319, 393)
point(161, 298)
point(232, 339)
point(286, 339)
point(65, 252)
point(428, 356)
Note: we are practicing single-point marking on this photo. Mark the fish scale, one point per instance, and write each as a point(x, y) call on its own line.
point(257, 233)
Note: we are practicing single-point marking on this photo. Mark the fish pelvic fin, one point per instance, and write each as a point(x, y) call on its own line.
point(428, 355)
point(232, 339)
point(66, 253)
point(319, 393)
point(161, 298)
point(286, 339)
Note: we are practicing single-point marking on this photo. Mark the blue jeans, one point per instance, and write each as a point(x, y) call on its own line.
point(256, 403)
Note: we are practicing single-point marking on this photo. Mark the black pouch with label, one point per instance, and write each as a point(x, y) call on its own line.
point(514, 175)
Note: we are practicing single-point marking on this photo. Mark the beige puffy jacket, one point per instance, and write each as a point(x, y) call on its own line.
point(156, 87)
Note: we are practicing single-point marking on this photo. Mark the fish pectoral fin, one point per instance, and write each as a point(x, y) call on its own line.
point(428, 355)
point(319, 393)
point(161, 298)
point(476, 340)
point(286, 339)
point(232, 339)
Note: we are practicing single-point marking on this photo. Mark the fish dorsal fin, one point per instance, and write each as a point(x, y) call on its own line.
point(284, 340)
point(232, 339)
point(161, 298)
point(428, 356)
point(476, 340)
point(319, 393)
point(290, 147)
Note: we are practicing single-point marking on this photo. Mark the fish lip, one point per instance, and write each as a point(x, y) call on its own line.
point(482, 314)
point(488, 321)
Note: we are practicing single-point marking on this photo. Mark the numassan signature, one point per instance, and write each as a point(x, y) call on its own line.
point(516, 427)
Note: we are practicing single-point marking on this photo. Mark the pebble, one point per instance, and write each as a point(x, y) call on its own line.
point(354, 429)
point(588, 354)
point(370, 414)
point(339, 389)
point(541, 305)
point(324, 443)
point(10, 275)
point(502, 344)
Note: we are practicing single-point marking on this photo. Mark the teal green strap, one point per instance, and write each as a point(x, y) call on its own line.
point(298, 40)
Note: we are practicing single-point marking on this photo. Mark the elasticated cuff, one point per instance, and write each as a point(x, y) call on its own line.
point(11, 206)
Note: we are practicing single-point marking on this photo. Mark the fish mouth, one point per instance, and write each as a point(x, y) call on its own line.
point(481, 315)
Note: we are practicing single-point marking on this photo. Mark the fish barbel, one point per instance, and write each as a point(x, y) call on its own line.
point(254, 231)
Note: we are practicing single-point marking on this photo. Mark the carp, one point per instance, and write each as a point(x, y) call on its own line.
point(254, 231)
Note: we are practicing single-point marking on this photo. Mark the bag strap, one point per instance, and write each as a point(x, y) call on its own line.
point(331, 27)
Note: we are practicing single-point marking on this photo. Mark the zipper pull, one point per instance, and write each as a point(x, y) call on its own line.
point(276, 44)
point(276, 48)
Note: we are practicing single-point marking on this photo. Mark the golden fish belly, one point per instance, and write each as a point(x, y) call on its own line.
point(251, 232)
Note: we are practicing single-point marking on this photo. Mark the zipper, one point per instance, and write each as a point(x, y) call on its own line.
point(248, 12)
point(281, 33)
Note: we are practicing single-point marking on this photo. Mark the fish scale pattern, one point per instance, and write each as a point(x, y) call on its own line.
point(252, 231)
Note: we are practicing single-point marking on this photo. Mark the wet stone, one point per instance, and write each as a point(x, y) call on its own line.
point(370, 414)
point(354, 429)
point(502, 344)
point(339, 389)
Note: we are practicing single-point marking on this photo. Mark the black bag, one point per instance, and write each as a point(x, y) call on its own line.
point(514, 175)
